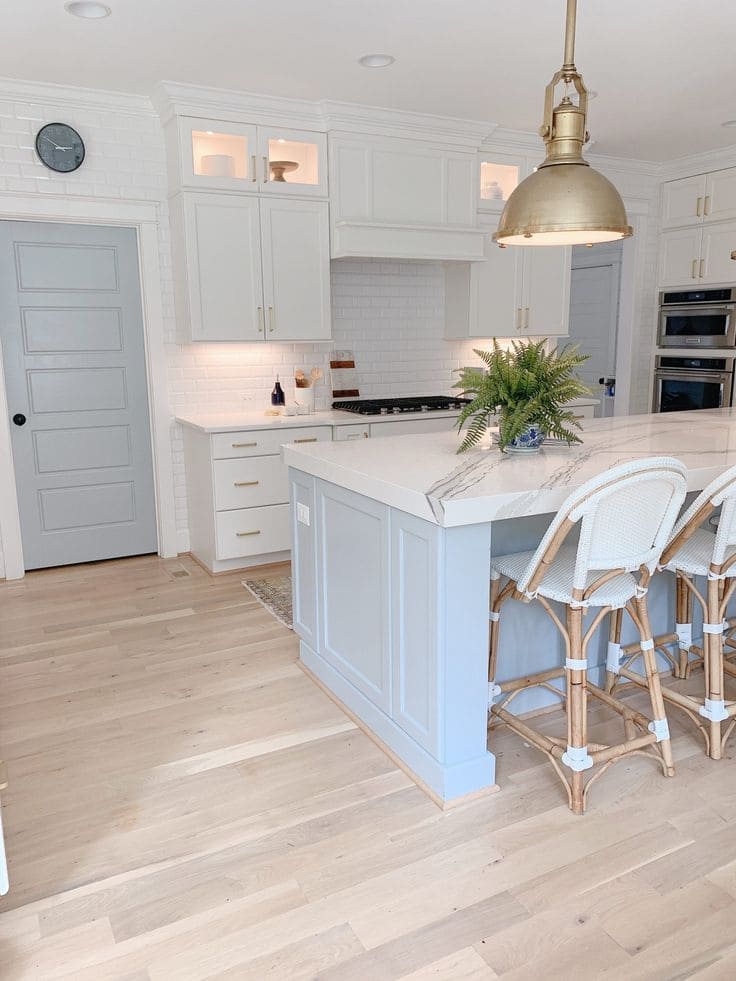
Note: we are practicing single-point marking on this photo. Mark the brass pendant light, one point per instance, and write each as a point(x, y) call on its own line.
point(565, 201)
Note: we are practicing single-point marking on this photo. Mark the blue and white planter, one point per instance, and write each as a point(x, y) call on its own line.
point(528, 441)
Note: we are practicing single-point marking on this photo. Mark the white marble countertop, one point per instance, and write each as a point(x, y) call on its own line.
point(247, 420)
point(423, 475)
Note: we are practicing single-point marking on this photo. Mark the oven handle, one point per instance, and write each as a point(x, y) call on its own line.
point(721, 377)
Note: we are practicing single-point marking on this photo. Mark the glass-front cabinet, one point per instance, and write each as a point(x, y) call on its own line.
point(218, 155)
point(498, 176)
point(222, 155)
point(293, 161)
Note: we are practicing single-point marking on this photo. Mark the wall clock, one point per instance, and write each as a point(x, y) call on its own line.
point(60, 147)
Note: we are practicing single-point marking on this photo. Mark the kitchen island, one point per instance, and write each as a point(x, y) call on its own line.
point(392, 541)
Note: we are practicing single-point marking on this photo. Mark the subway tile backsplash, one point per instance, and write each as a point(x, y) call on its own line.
point(389, 314)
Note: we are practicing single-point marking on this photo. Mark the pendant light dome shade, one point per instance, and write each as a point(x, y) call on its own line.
point(563, 204)
point(565, 201)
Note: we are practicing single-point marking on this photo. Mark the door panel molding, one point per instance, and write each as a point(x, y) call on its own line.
point(144, 217)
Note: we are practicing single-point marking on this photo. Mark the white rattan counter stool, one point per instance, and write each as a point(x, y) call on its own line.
point(694, 551)
point(625, 516)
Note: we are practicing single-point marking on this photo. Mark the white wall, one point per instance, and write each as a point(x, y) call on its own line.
point(389, 313)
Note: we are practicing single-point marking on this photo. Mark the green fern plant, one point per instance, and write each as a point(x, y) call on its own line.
point(522, 386)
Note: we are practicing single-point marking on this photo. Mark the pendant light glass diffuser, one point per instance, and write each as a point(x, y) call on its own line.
point(565, 201)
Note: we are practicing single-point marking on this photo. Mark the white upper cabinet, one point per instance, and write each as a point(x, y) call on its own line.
point(249, 268)
point(546, 300)
point(498, 175)
point(402, 198)
point(704, 255)
point(292, 162)
point(700, 199)
point(295, 238)
point(223, 268)
point(718, 254)
point(679, 257)
point(513, 292)
point(682, 201)
point(232, 156)
point(719, 203)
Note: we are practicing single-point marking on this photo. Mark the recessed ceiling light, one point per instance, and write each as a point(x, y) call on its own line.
point(729, 122)
point(87, 9)
point(376, 61)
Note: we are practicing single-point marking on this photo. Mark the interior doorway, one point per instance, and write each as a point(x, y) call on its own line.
point(594, 311)
point(74, 360)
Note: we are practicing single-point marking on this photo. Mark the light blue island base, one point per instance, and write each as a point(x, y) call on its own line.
point(392, 613)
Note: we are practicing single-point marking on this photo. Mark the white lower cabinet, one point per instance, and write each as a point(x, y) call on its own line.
point(345, 433)
point(238, 494)
point(252, 531)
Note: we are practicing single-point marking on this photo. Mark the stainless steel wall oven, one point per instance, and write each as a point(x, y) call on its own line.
point(682, 383)
point(697, 318)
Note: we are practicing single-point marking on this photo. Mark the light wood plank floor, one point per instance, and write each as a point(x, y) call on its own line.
point(185, 804)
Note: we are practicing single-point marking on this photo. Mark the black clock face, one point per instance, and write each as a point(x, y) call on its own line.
point(60, 147)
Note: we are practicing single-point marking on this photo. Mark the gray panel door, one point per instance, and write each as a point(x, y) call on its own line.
point(71, 328)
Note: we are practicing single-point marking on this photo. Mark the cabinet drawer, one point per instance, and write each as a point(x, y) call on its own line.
point(352, 432)
point(252, 531)
point(264, 442)
point(250, 483)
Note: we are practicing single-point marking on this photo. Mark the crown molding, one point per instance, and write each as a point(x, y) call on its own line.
point(628, 165)
point(515, 140)
point(72, 97)
point(699, 163)
point(176, 98)
point(349, 117)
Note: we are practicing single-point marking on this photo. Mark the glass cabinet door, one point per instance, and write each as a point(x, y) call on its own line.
point(292, 162)
point(498, 177)
point(218, 154)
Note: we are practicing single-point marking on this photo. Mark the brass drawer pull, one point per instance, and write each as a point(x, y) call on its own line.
point(240, 446)
point(698, 207)
point(246, 483)
point(307, 439)
point(702, 268)
point(245, 534)
point(254, 178)
point(706, 209)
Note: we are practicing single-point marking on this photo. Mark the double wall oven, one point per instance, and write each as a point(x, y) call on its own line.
point(702, 322)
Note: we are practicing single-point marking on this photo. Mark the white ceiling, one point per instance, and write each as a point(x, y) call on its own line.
point(664, 69)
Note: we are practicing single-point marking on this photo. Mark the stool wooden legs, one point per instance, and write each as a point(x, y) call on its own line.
point(573, 756)
point(614, 649)
point(710, 712)
point(654, 686)
point(683, 625)
point(577, 710)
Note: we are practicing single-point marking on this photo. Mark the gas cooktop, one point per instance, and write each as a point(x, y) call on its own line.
point(388, 407)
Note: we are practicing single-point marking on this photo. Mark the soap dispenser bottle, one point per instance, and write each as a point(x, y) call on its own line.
point(277, 395)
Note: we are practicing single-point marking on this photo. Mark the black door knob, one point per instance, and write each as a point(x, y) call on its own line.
point(19, 419)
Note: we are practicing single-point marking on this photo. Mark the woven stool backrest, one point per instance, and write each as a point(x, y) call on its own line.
point(626, 515)
point(720, 492)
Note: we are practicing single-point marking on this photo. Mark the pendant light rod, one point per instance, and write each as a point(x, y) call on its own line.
point(572, 12)
point(564, 201)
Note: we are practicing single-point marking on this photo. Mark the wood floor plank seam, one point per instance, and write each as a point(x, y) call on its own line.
point(186, 805)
